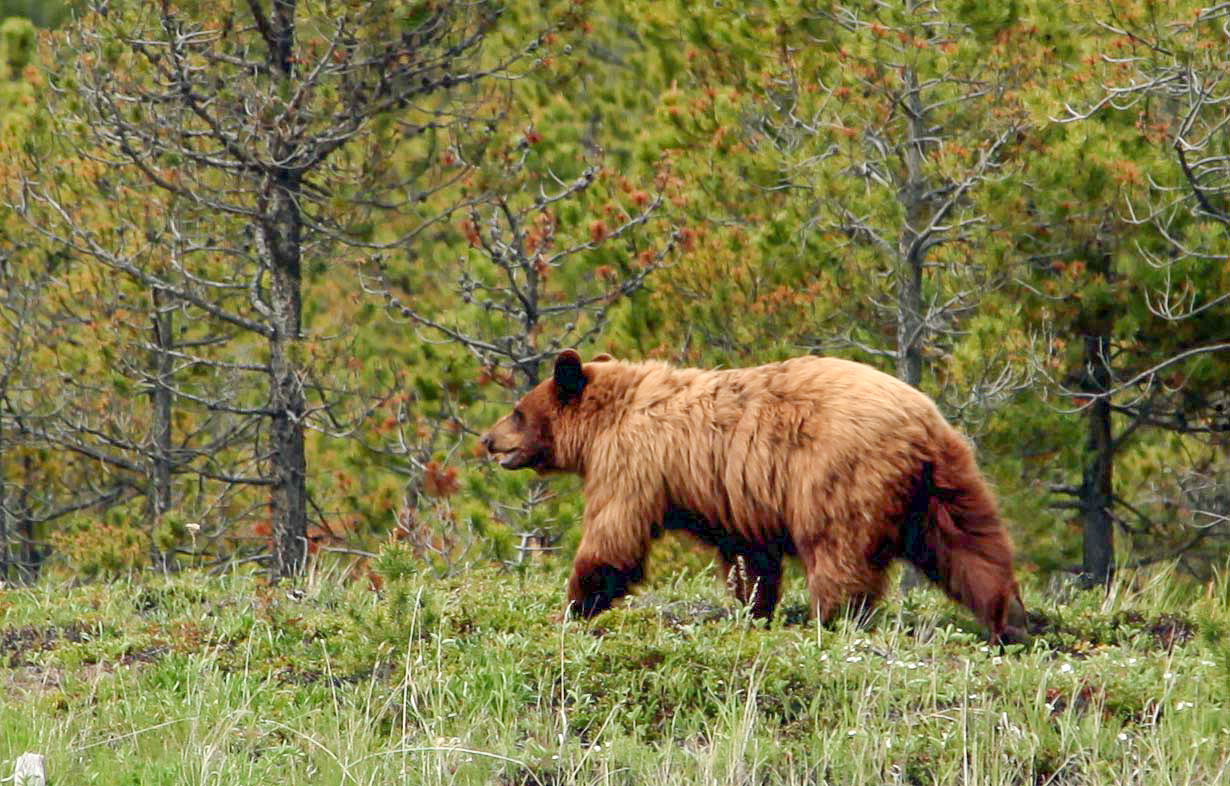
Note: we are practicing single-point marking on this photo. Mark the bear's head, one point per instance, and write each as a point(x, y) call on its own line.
point(529, 436)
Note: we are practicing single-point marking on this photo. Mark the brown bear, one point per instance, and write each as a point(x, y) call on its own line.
point(829, 460)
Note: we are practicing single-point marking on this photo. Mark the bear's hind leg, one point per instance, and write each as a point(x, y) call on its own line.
point(851, 586)
point(752, 570)
point(756, 579)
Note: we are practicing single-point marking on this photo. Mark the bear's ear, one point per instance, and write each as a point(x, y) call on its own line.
point(569, 379)
point(602, 357)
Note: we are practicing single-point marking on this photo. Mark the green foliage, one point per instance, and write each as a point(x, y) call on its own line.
point(778, 139)
point(17, 40)
point(106, 547)
point(474, 681)
point(406, 610)
point(44, 13)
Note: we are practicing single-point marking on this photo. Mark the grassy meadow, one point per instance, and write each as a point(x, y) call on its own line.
point(197, 679)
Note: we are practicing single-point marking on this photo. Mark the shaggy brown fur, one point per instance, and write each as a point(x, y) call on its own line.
point(830, 460)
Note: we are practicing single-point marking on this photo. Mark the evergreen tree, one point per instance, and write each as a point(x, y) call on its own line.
point(265, 129)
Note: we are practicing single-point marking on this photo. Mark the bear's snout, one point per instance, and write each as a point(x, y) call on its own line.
point(499, 447)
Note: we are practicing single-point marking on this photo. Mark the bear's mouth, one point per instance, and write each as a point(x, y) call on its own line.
point(508, 459)
point(516, 458)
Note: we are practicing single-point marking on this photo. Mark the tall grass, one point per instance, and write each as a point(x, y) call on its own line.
point(198, 680)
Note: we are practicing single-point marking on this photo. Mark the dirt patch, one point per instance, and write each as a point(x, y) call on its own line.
point(18, 645)
point(1164, 632)
point(25, 680)
point(144, 655)
point(1170, 630)
point(794, 614)
point(697, 612)
point(534, 776)
point(1077, 702)
point(294, 675)
point(1054, 771)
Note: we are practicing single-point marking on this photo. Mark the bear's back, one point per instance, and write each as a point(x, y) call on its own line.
point(813, 394)
point(754, 447)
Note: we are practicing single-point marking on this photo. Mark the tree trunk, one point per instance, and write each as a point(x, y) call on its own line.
point(31, 557)
point(910, 254)
point(282, 231)
point(909, 320)
point(909, 346)
point(910, 267)
point(1097, 487)
point(4, 512)
point(160, 396)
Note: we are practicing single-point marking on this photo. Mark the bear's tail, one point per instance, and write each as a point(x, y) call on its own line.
point(954, 535)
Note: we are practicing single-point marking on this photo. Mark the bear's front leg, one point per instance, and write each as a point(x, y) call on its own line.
point(618, 528)
point(595, 586)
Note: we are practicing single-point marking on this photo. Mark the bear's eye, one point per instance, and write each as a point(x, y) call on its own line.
point(518, 417)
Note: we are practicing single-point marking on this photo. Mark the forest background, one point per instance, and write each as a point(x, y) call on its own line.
point(265, 271)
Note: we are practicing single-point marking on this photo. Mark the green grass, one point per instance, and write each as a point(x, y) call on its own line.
point(199, 680)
